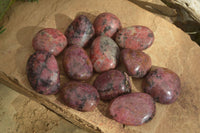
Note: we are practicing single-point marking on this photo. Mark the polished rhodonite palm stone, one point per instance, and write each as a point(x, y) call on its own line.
point(80, 96)
point(43, 73)
point(80, 31)
point(50, 40)
point(163, 85)
point(104, 54)
point(133, 109)
point(135, 37)
point(106, 24)
point(77, 64)
point(137, 63)
point(111, 84)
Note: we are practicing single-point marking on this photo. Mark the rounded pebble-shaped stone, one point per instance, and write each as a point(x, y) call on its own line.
point(104, 54)
point(80, 31)
point(163, 85)
point(43, 73)
point(80, 96)
point(111, 84)
point(77, 64)
point(133, 109)
point(50, 40)
point(137, 63)
point(135, 37)
point(106, 24)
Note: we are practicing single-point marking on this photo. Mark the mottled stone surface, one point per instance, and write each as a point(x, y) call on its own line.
point(135, 37)
point(111, 84)
point(163, 85)
point(137, 63)
point(133, 109)
point(104, 54)
point(43, 73)
point(80, 31)
point(50, 40)
point(80, 96)
point(106, 24)
point(77, 64)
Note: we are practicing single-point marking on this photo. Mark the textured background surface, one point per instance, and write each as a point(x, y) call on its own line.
point(23, 115)
point(172, 48)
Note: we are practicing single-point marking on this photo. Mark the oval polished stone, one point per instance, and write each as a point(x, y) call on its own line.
point(135, 37)
point(104, 54)
point(80, 31)
point(133, 109)
point(106, 24)
point(137, 63)
point(163, 85)
point(77, 64)
point(43, 73)
point(111, 84)
point(50, 40)
point(80, 96)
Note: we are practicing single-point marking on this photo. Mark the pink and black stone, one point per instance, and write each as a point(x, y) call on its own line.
point(112, 84)
point(50, 40)
point(77, 64)
point(80, 31)
point(104, 54)
point(80, 96)
point(43, 73)
point(133, 109)
point(163, 85)
point(135, 37)
point(137, 63)
point(106, 24)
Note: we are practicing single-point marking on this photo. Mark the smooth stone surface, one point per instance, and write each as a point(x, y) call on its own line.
point(163, 85)
point(80, 31)
point(106, 24)
point(50, 40)
point(135, 37)
point(104, 54)
point(111, 84)
point(43, 73)
point(133, 109)
point(137, 63)
point(80, 96)
point(77, 64)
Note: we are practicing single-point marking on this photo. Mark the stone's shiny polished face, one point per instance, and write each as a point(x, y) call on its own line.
point(135, 37)
point(163, 85)
point(50, 40)
point(111, 84)
point(80, 96)
point(106, 24)
point(133, 109)
point(104, 54)
point(137, 63)
point(80, 31)
point(43, 73)
point(77, 64)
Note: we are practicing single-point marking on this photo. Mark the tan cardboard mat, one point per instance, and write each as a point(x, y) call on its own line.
point(172, 48)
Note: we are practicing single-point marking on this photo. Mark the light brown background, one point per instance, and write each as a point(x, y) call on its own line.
point(172, 48)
